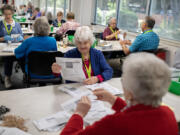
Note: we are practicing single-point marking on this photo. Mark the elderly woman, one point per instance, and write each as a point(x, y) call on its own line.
point(111, 32)
point(59, 20)
point(49, 18)
point(145, 81)
point(40, 42)
point(10, 31)
point(71, 24)
point(95, 66)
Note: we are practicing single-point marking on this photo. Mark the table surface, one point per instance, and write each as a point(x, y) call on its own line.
point(36, 103)
point(115, 47)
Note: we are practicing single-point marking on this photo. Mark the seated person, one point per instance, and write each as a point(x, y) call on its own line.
point(69, 25)
point(59, 20)
point(40, 42)
point(95, 67)
point(8, 27)
point(147, 41)
point(176, 63)
point(111, 32)
point(142, 114)
point(36, 14)
point(49, 18)
point(29, 8)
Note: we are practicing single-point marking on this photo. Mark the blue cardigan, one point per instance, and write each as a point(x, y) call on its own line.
point(98, 62)
point(36, 43)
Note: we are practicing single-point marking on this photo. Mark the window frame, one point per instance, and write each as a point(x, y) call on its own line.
point(148, 12)
point(54, 6)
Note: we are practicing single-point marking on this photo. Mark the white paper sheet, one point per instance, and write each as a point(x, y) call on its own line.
point(105, 86)
point(98, 109)
point(71, 69)
point(74, 91)
point(12, 131)
point(53, 122)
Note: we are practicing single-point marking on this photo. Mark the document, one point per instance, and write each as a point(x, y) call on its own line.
point(74, 91)
point(53, 122)
point(98, 109)
point(12, 131)
point(105, 86)
point(71, 69)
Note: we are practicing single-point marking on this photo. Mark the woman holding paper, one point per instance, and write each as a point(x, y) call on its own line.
point(95, 67)
point(142, 114)
point(10, 31)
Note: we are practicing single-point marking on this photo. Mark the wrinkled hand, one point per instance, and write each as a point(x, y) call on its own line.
point(104, 95)
point(56, 68)
point(128, 42)
point(20, 38)
point(83, 106)
point(118, 32)
point(122, 42)
point(7, 38)
point(91, 80)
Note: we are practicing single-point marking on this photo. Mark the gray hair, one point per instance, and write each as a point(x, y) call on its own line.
point(41, 27)
point(49, 16)
point(110, 20)
point(84, 33)
point(146, 77)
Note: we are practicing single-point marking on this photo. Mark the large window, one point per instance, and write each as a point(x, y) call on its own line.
point(54, 6)
point(167, 16)
point(50, 6)
point(130, 13)
point(62, 5)
point(105, 10)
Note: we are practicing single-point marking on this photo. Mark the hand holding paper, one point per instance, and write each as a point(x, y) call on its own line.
point(71, 69)
point(56, 68)
point(104, 95)
point(83, 106)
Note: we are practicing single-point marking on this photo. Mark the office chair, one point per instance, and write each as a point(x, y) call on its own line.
point(39, 64)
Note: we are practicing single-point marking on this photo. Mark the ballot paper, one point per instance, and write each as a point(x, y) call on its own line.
point(9, 49)
point(98, 109)
point(121, 36)
point(12, 131)
point(74, 91)
point(105, 86)
point(71, 69)
point(53, 122)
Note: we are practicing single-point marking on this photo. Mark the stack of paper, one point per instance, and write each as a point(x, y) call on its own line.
point(53, 122)
point(97, 111)
point(9, 49)
point(73, 91)
point(11, 131)
point(105, 86)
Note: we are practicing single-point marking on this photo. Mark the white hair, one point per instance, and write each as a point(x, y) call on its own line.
point(82, 34)
point(146, 77)
point(41, 27)
point(110, 20)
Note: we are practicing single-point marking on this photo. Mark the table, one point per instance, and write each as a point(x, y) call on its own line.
point(115, 47)
point(36, 103)
point(27, 31)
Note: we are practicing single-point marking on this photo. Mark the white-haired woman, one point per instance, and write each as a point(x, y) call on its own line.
point(95, 66)
point(40, 42)
point(145, 81)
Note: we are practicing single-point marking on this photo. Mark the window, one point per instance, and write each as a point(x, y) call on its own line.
point(62, 5)
point(50, 6)
point(54, 6)
point(104, 11)
point(167, 16)
point(131, 14)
